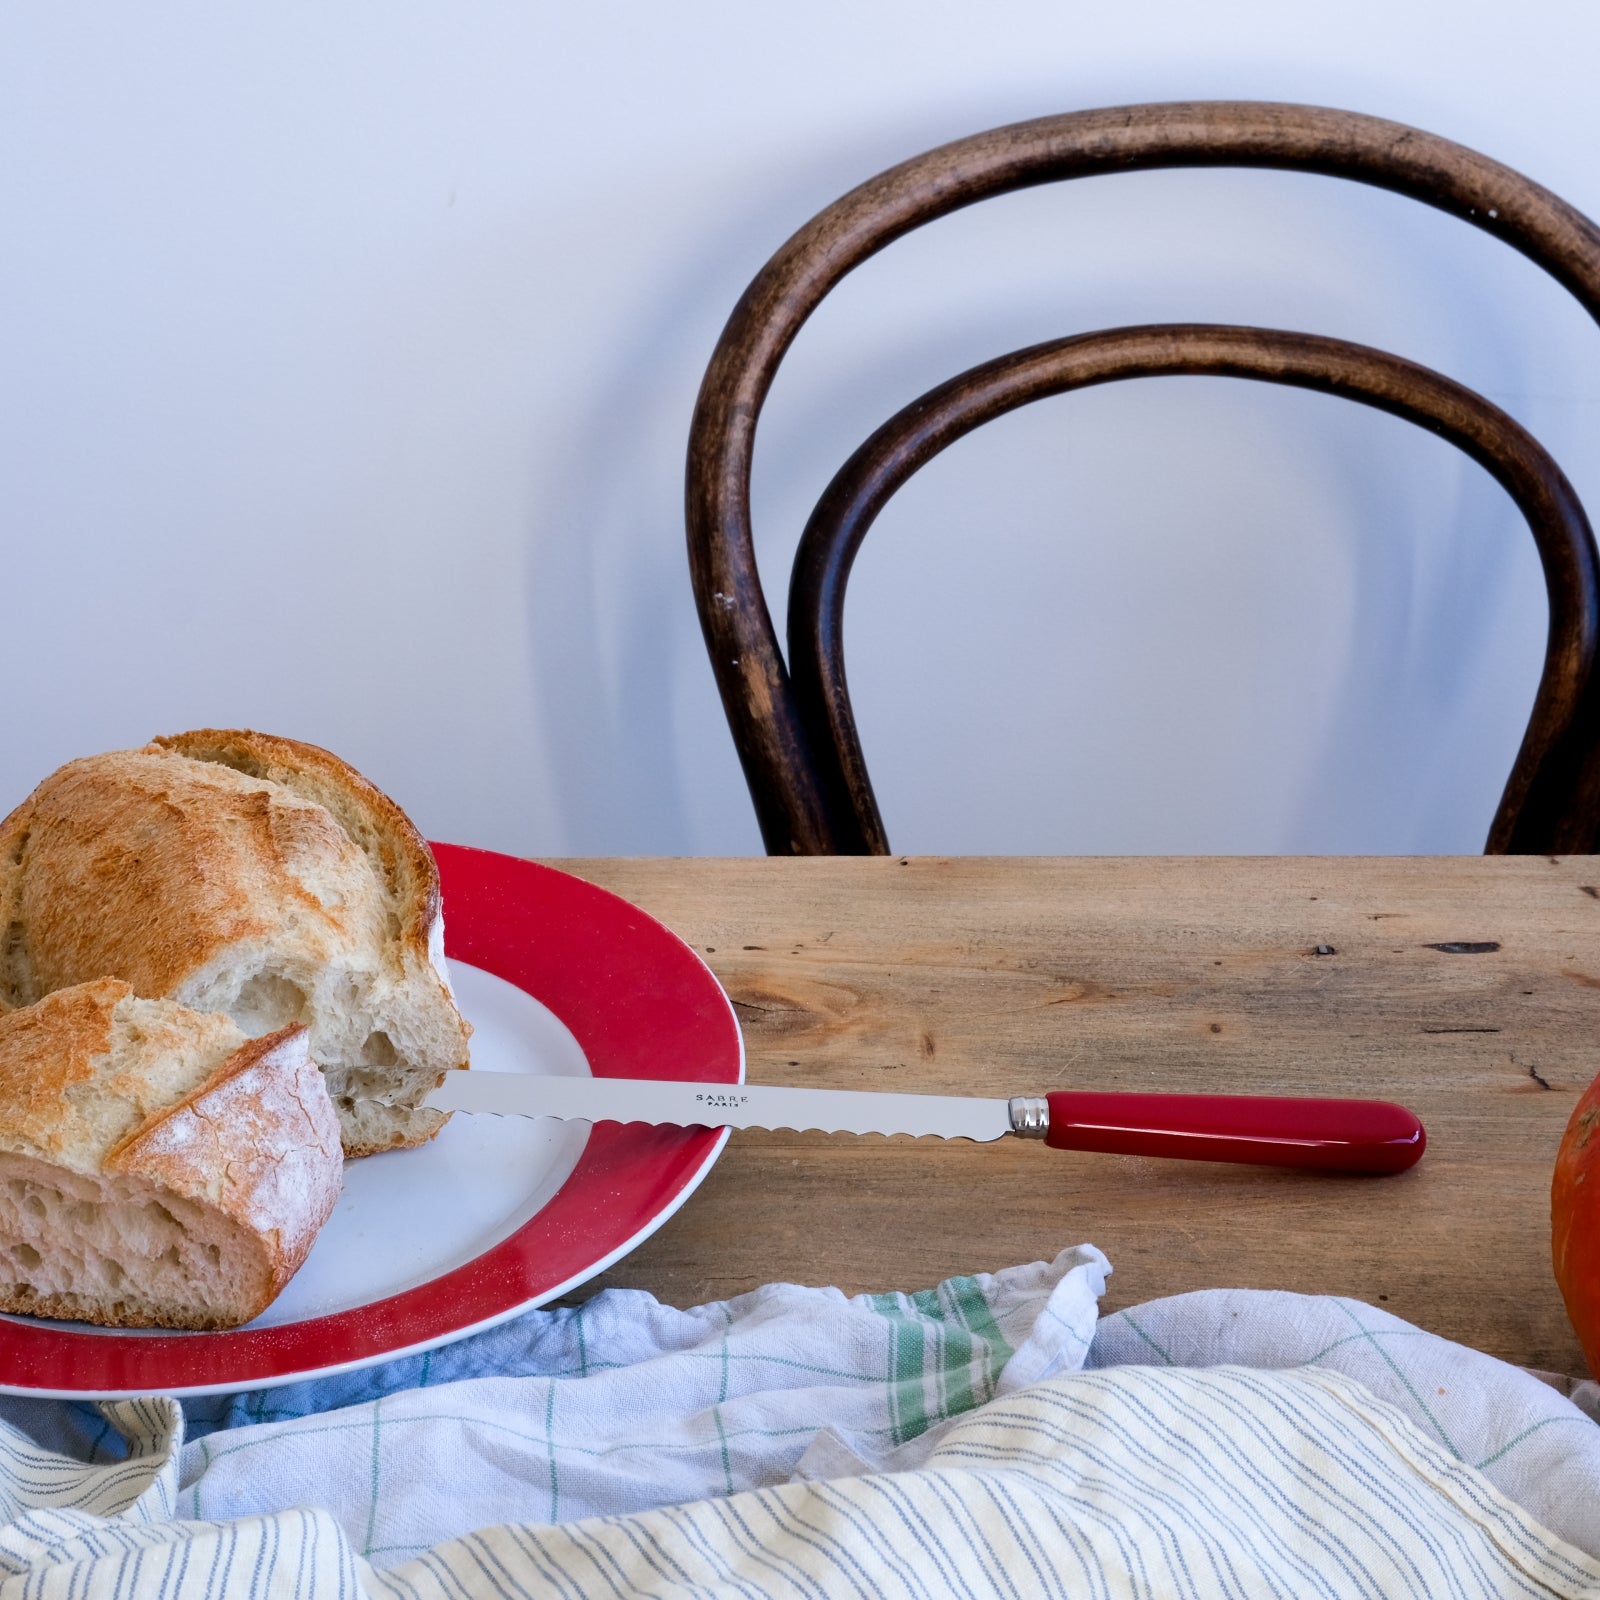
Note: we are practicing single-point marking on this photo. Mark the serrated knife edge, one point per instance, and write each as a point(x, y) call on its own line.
point(735, 1105)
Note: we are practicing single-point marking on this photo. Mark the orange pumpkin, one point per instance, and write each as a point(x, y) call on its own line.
point(1575, 1222)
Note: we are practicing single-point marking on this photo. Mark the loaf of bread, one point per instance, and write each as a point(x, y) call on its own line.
point(260, 877)
point(157, 1167)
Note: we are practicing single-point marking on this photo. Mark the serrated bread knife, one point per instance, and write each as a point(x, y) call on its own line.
point(1333, 1135)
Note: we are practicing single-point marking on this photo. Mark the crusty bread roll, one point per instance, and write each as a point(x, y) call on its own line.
point(257, 876)
point(157, 1168)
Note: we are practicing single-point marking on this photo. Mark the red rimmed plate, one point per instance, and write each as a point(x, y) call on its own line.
point(496, 1215)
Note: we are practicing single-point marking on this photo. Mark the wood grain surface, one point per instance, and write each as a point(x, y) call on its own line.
point(1467, 987)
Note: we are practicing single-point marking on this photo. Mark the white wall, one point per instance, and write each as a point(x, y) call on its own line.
point(347, 354)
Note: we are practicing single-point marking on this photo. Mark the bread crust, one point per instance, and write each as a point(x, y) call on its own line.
point(183, 1110)
point(134, 866)
point(15, 976)
point(259, 1142)
point(44, 1051)
point(21, 1301)
point(159, 866)
point(356, 802)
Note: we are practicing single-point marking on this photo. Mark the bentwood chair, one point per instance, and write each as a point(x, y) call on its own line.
point(792, 722)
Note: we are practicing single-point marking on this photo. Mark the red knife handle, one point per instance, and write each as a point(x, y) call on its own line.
point(1332, 1135)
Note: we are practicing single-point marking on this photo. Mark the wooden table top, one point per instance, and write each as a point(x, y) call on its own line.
point(1467, 987)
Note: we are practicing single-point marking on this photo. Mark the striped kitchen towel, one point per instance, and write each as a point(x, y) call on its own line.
point(982, 1438)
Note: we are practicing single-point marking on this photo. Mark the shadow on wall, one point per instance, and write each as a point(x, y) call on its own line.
point(1445, 647)
point(616, 653)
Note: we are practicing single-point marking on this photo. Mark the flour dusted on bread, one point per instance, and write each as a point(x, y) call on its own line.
point(260, 877)
point(157, 1167)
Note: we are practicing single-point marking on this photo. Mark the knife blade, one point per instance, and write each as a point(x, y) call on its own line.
point(1259, 1130)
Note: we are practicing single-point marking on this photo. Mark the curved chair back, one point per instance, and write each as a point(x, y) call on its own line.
point(796, 737)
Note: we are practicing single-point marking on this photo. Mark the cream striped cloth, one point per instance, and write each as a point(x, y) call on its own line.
point(986, 1438)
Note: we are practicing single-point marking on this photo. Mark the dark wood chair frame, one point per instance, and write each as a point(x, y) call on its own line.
point(796, 734)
